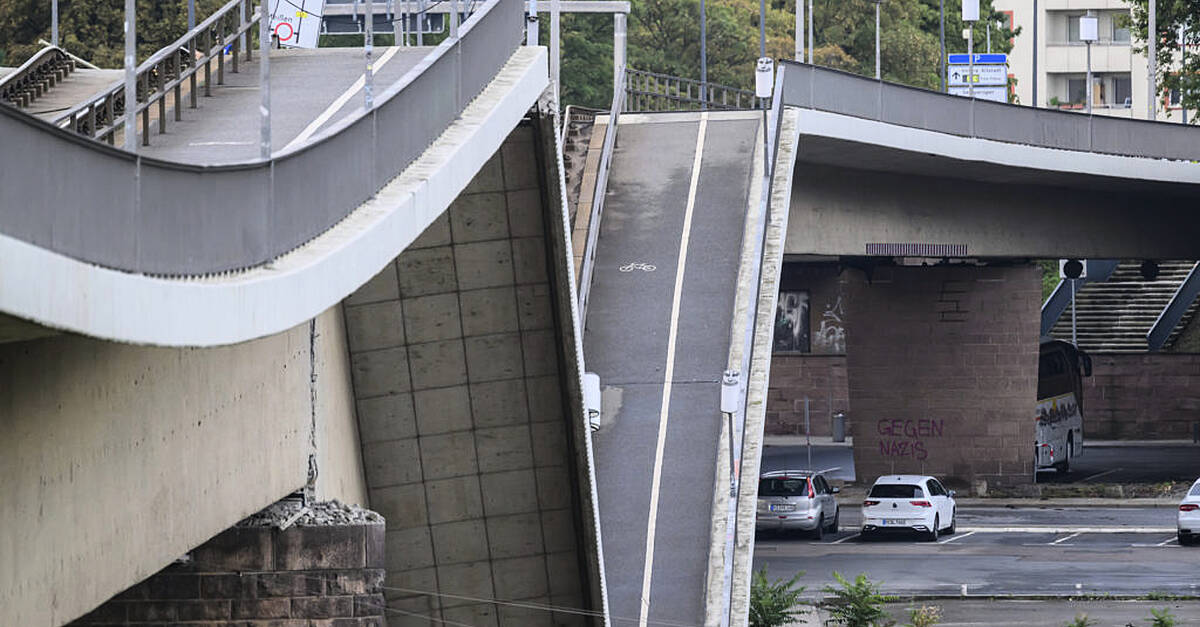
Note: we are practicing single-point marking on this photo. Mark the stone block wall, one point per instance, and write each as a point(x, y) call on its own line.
point(1141, 396)
point(455, 362)
point(820, 374)
point(943, 371)
point(820, 378)
point(259, 576)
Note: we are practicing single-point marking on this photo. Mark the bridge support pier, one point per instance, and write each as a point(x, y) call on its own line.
point(942, 365)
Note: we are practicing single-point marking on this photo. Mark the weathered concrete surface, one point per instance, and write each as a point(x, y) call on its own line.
point(942, 367)
point(460, 381)
point(839, 210)
point(118, 459)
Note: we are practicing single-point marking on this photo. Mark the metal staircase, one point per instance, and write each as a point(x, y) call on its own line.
point(1114, 316)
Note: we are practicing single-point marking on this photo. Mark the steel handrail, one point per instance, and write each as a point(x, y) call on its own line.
point(645, 90)
point(38, 73)
point(164, 71)
point(587, 266)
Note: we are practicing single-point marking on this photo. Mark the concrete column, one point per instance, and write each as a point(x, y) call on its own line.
point(942, 366)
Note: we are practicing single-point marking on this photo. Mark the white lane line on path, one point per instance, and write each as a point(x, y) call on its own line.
point(652, 522)
point(1100, 474)
point(957, 537)
point(1051, 529)
point(846, 538)
point(1065, 538)
point(341, 100)
point(1168, 541)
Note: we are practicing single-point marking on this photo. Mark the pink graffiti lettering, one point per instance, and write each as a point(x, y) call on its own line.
point(906, 438)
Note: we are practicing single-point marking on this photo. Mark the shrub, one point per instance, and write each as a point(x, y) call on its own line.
point(857, 603)
point(1162, 618)
point(774, 604)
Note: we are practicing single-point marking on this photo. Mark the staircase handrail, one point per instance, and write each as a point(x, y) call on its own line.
point(1170, 316)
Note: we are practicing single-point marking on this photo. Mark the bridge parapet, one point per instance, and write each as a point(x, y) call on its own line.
point(151, 216)
point(833, 91)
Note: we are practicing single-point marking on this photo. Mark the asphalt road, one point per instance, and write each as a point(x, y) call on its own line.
point(304, 84)
point(627, 342)
point(1097, 464)
point(1000, 551)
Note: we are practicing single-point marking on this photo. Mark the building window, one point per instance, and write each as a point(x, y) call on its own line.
point(1122, 91)
point(1174, 98)
point(1076, 90)
point(791, 323)
point(1073, 29)
point(1120, 30)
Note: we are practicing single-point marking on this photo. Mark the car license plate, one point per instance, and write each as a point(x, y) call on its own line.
point(783, 508)
point(894, 521)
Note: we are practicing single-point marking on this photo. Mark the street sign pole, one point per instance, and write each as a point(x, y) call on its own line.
point(368, 48)
point(1151, 61)
point(131, 75)
point(54, 23)
point(1089, 32)
point(264, 79)
point(800, 30)
point(942, 39)
point(810, 30)
point(876, 39)
point(704, 57)
point(971, 59)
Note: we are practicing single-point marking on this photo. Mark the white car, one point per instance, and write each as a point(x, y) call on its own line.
point(909, 503)
point(1189, 516)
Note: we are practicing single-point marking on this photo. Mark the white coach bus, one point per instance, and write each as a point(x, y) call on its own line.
point(1059, 414)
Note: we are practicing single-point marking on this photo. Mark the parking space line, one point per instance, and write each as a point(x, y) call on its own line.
point(1100, 474)
point(957, 537)
point(846, 538)
point(1168, 541)
point(1049, 529)
point(1064, 539)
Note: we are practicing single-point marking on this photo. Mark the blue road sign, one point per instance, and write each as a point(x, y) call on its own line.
point(982, 58)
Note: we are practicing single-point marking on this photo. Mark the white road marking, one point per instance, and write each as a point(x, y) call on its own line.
point(1100, 474)
point(1049, 529)
point(846, 538)
point(652, 522)
point(221, 143)
point(1168, 541)
point(957, 537)
point(637, 265)
point(1065, 538)
point(320, 120)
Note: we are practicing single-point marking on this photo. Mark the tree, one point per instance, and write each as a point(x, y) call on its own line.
point(1173, 72)
point(93, 30)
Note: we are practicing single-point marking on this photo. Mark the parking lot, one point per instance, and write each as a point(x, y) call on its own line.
point(1002, 551)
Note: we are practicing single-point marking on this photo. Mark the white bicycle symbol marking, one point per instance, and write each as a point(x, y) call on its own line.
point(637, 265)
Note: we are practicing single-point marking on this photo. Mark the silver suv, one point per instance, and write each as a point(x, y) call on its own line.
point(797, 500)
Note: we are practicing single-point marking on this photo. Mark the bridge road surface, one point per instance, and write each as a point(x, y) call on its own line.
point(629, 321)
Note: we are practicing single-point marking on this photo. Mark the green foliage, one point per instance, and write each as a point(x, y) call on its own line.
point(773, 604)
point(1162, 618)
point(587, 59)
point(93, 30)
point(1049, 276)
point(924, 616)
point(1169, 15)
point(1082, 620)
point(857, 603)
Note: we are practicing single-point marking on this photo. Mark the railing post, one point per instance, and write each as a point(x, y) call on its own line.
point(130, 77)
point(208, 61)
point(221, 52)
point(264, 81)
point(162, 98)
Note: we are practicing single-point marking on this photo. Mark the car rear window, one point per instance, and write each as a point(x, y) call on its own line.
point(1195, 490)
point(783, 486)
point(896, 491)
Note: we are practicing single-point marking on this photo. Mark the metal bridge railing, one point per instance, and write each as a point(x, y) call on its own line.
point(164, 73)
point(650, 91)
point(36, 76)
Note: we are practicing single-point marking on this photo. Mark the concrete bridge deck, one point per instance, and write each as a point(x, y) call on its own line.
point(658, 335)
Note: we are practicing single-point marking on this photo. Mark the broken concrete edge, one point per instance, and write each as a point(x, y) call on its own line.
point(760, 365)
point(587, 193)
point(566, 297)
point(718, 586)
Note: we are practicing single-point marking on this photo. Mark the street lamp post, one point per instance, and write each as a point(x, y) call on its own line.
point(877, 75)
point(942, 40)
point(703, 56)
point(1151, 61)
point(970, 15)
point(54, 23)
point(762, 28)
point(800, 30)
point(1088, 32)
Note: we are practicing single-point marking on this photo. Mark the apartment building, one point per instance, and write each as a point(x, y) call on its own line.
point(1119, 75)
